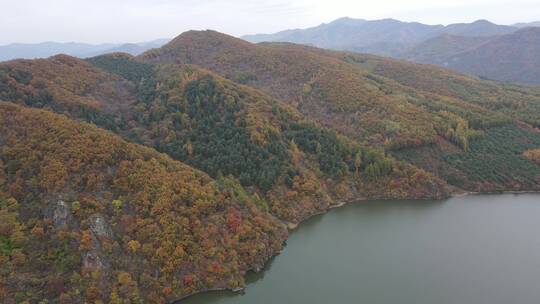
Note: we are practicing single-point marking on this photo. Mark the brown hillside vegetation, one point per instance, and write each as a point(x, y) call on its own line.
point(335, 93)
point(225, 128)
point(319, 164)
point(100, 215)
point(513, 101)
point(378, 101)
point(68, 85)
point(92, 213)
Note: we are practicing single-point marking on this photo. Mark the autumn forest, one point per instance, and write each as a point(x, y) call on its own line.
point(147, 179)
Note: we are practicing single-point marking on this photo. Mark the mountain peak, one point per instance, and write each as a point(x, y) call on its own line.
point(348, 21)
point(204, 36)
point(66, 59)
point(189, 44)
point(483, 22)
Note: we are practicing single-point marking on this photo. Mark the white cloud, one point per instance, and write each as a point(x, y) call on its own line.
point(138, 20)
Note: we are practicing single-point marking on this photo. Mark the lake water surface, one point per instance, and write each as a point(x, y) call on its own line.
point(465, 250)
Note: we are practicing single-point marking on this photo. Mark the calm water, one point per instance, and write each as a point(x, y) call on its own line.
point(469, 250)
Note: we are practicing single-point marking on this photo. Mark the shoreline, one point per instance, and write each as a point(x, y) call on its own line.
point(293, 226)
point(497, 192)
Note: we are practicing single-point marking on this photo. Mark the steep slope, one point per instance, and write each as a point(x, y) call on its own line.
point(440, 49)
point(385, 37)
point(343, 92)
point(86, 216)
point(514, 57)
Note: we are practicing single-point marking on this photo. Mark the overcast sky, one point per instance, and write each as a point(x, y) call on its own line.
point(97, 21)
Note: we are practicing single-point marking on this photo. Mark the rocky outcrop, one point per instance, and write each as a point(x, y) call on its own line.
point(61, 215)
point(99, 226)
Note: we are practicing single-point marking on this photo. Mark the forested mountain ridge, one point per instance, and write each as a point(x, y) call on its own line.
point(377, 101)
point(335, 93)
point(225, 128)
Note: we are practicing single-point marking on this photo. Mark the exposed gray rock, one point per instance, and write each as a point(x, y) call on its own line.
point(99, 226)
point(61, 214)
point(91, 260)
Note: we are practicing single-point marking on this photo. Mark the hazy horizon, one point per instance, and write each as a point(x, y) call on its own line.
point(123, 21)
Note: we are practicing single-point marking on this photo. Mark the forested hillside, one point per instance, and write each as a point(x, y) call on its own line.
point(224, 128)
point(335, 93)
point(512, 101)
point(378, 101)
point(86, 216)
point(67, 85)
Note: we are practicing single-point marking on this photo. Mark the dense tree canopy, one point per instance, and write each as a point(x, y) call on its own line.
point(91, 212)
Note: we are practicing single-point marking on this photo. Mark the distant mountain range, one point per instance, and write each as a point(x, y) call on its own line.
point(499, 52)
point(530, 24)
point(82, 50)
point(512, 57)
point(382, 37)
